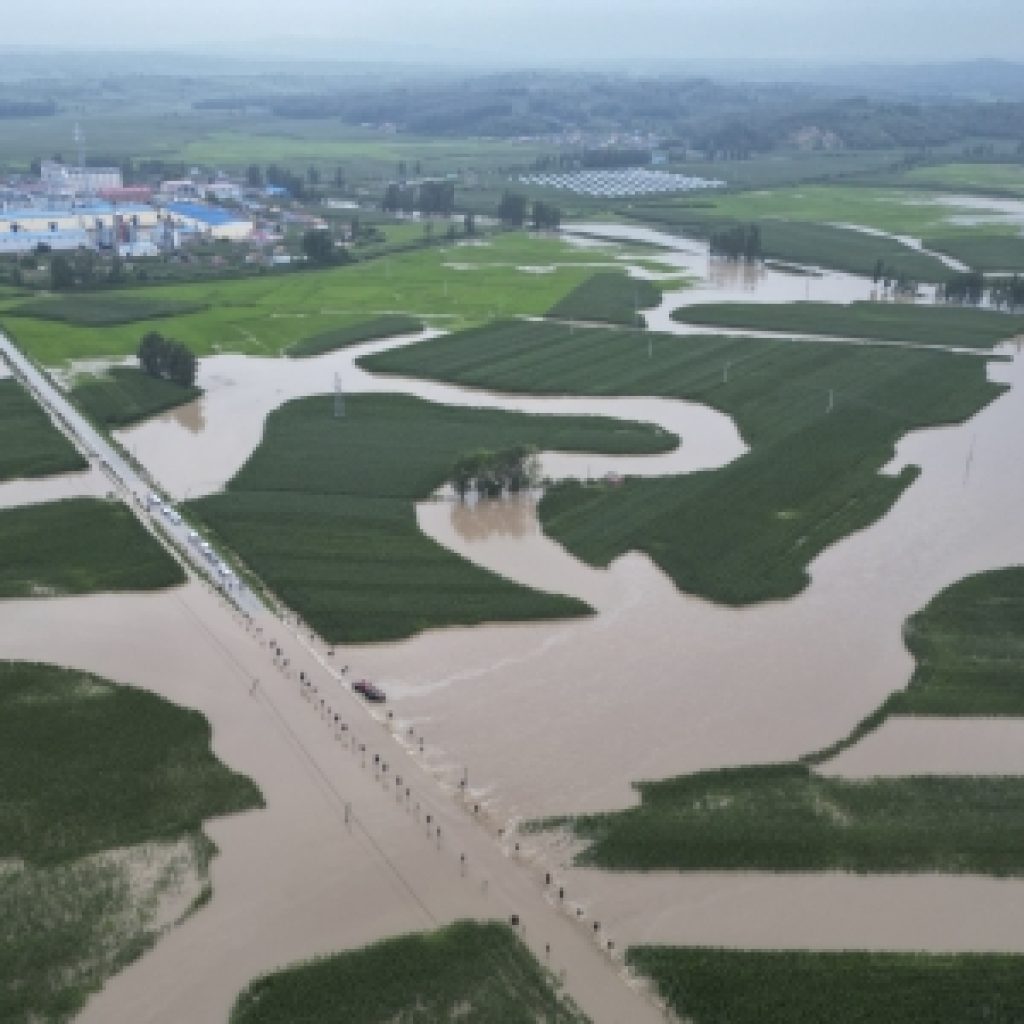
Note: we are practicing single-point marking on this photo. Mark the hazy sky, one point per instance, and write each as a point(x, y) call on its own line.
point(516, 30)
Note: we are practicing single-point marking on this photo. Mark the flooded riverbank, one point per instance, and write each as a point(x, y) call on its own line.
point(87, 484)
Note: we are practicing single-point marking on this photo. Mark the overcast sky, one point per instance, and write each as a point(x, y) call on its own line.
point(518, 30)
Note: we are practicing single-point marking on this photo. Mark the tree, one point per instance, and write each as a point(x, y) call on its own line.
point(313, 175)
point(318, 245)
point(62, 275)
point(339, 177)
point(170, 360)
point(469, 224)
point(512, 209)
point(492, 473)
point(254, 176)
point(546, 217)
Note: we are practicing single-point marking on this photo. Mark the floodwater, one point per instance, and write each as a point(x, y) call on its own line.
point(196, 449)
point(911, 243)
point(87, 484)
point(557, 718)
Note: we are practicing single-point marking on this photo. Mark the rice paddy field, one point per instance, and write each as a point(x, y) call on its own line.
point(82, 817)
point(102, 310)
point(926, 325)
point(717, 986)
point(821, 420)
point(124, 395)
point(1001, 178)
point(477, 972)
point(30, 445)
point(324, 512)
point(79, 546)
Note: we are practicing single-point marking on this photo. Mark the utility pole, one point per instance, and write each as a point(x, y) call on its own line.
point(339, 398)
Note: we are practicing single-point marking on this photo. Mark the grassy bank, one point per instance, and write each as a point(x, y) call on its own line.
point(477, 973)
point(125, 395)
point(991, 254)
point(747, 532)
point(75, 804)
point(926, 325)
point(79, 546)
point(608, 298)
point(352, 334)
point(324, 511)
point(30, 445)
point(717, 986)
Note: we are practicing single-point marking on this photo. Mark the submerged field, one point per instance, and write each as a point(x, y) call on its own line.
point(926, 325)
point(717, 986)
point(30, 445)
point(95, 834)
point(969, 646)
point(479, 973)
point(79, 546)
point(324, 511)
point(124, 395)
point(821, 420)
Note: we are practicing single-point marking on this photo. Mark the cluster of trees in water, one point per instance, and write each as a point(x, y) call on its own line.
point(493, 473)
point(740, 242)
point(972, 288)
point(167, 359)
point(515, 208)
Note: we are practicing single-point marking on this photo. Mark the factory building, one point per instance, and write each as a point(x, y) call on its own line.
point(61, 179)
point(211, 221)
point(71, 227)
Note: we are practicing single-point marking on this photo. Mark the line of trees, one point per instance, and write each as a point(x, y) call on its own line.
point(972, 287)
point(546, 216)
point(512, 209)
point(427, 197)
point(166, 359)
point(491, 473)
point(742, 242)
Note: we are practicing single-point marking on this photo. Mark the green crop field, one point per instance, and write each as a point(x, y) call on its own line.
point(718, 986)
point(74, 800)
point(79, 546)
point(608, 298)
point(471, 972)
point(30, 445)
point(266, 315)
point(746, 532)
point(353, 334)
point(324, 511)
point(103, 311)
point(126, 395)
point(784, 817)
point(926, 325)
point(989, 177)
point(991, 254)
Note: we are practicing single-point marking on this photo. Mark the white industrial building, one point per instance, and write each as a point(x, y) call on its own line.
point(91, 225)
point(211, 221)
point(58, 178)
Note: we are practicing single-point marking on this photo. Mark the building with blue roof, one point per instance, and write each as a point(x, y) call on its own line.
point(212, 221)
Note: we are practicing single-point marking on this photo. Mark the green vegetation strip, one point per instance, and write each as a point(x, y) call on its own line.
point(30, 445)
point(88, 768)
point(125, 395)
point(79, 546)
point(926, 325)
point(608, 298)
point(352, 334)
point(747, 532)
point(471, 972)
point(969, 647)
point(105, 310)
point(324, 511)
point(717, 986)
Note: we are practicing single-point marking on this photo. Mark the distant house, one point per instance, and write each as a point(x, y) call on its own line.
point(60, 178)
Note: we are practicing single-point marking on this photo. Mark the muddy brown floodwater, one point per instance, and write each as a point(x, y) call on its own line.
point(89, 483)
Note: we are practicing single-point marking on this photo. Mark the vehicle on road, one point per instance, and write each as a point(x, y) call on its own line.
point(372, 693)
